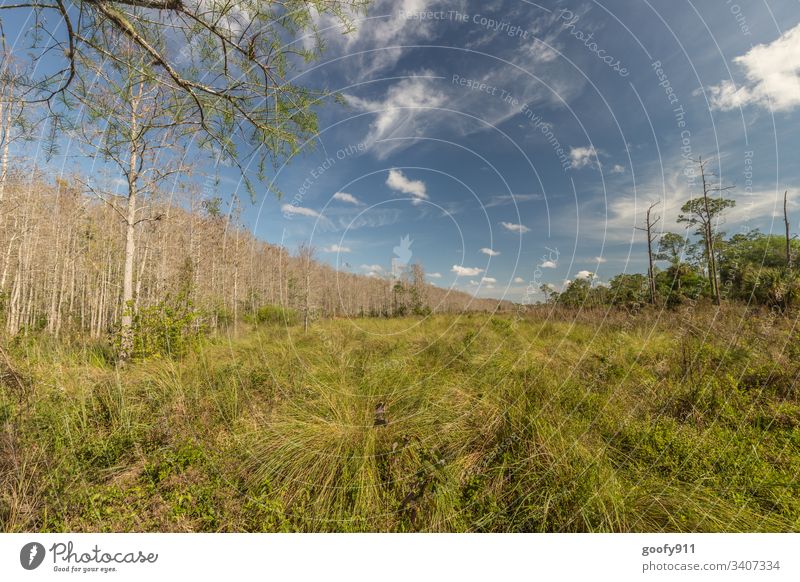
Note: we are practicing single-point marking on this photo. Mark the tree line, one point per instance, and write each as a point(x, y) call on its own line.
point(701, 263)
point(62, 269)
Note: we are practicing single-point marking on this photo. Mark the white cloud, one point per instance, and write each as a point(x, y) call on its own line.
point(376, 268)
point(521, 228)
point(401, 114)
point(519, 280)
point(773, 76)
point(434, 275)
point(345, 197)
point(584, 275)
point(466, 271)
point(618, 169)
point(392, 31)
point(426, 103)
point(299, 210)
point(415, 188)
point(549, 265)
point(616, 221)
point(410, 108)
point(600, 259)
point(581, 157)
point(336, 249)
point(490, 252)
point(485, 283)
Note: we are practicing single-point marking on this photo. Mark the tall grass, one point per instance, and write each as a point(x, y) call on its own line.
point(557, 421)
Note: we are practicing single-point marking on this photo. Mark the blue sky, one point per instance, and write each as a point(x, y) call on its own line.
point(519, 143)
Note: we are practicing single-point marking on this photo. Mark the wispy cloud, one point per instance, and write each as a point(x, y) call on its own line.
point(397, 115)
point(506, 199)
point(391, 30)
point(375, 218)
point(291, 209)
point(490, 252)
point(345, 197)
point(336, 249)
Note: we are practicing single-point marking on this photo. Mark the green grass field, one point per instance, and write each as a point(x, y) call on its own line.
point(674, 421)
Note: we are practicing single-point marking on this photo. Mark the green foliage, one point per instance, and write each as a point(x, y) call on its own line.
point(672, 247)
point(275, 314)
point(753, 269)
point(699, 211)
point(680, 283)
point(629, 290)
point(576, 294)
point(167, 329)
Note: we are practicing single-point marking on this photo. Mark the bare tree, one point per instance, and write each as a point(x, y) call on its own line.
point(649, 224)
point(129, 123)
point(788, 234)
point(306, 256)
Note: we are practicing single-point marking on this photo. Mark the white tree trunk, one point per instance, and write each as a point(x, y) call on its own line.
point(126, 321)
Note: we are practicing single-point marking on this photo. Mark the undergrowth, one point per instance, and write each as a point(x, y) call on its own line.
point(555, 421)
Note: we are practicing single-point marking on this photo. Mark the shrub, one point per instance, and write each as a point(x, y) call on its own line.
point(277, 314)
point(166, 329)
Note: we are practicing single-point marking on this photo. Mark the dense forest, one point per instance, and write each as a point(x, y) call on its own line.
point(196, 268)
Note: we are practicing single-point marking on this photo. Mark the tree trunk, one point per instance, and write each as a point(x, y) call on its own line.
point(788, 236)
point(712, 261)
point(126, 321)
point(126, 326)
